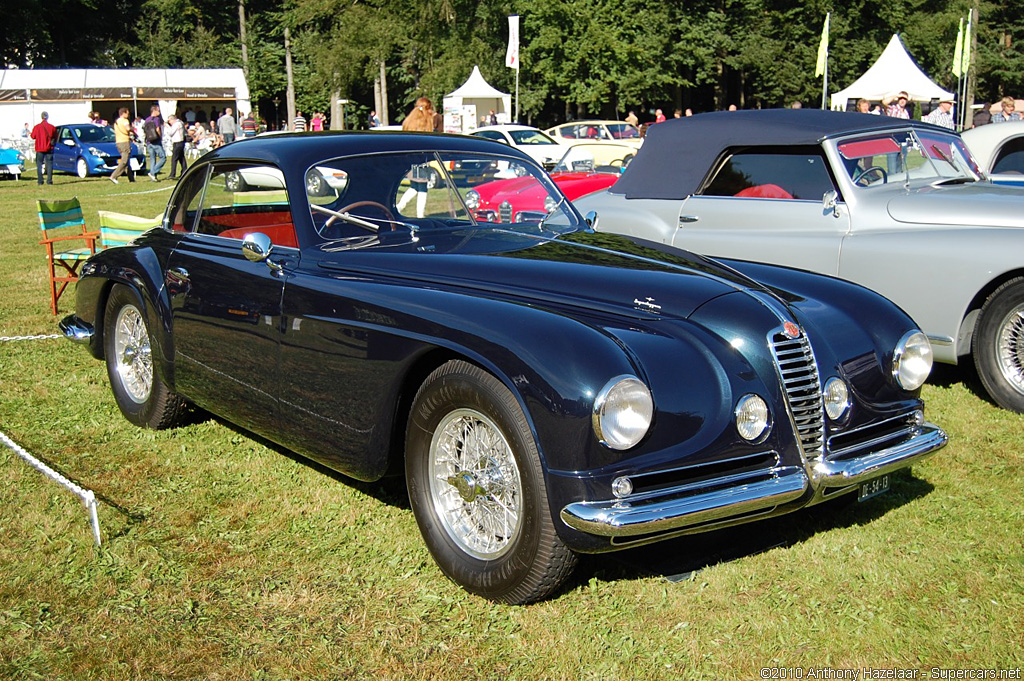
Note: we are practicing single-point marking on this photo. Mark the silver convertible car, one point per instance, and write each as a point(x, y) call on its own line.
point(898, 206)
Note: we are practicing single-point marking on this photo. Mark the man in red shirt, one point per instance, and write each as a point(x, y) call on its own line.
point(43, 134)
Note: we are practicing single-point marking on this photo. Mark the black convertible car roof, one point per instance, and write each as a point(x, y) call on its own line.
point(678, 153)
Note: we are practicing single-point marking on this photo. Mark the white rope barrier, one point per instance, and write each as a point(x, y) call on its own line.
point(86, 495)
point(4, 339)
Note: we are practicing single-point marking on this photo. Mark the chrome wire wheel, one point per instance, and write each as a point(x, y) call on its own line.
point(1010, 348)
point(475, 484)
point(132, 355)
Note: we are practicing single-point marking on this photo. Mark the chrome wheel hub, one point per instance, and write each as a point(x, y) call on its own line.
point(134, 362)
point(1010, 348)
point(475, 484)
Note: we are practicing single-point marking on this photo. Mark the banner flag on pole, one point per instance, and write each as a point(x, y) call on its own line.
point(958, 51)
point(512, 53)
point(965, 59)
point(823, 49)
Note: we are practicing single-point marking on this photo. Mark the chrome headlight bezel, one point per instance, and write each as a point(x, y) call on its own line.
point(835, 397)
point(912, 360)
point(753, 418)
point(623, 397)
point(472, 199)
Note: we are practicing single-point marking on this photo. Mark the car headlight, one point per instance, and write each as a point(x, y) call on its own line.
point(752, 418)
point(550, 204)
point(912, 360)
point(472, 199)
point(623, 412)
point(96, 152)
point(836, 397)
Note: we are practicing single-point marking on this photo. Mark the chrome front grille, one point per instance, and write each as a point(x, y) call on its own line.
point(799, 374)
point(505, 211)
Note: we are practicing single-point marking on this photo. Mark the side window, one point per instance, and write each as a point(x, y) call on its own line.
point(65, 134)
point(492, 135)
point(231, 200)
point(772, 175)
point(1010, 158)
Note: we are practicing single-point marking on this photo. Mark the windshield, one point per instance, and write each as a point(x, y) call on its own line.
point(95, 133)
point(908, 155)
point(376, 199)
point(530, 137)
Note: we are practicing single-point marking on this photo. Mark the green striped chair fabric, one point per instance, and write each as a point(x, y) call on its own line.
point(68, 242)
point(120, 229)
point(266, 197)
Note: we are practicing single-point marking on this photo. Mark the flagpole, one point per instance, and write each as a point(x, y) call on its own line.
point(517, 94)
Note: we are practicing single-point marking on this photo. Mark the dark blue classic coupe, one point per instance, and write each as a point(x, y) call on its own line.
point(548, 390)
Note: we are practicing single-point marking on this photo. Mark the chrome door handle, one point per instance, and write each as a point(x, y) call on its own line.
point(179, 274)
point(683, 219)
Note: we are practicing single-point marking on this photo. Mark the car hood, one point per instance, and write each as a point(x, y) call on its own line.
point(970, 204)
point(606, 273)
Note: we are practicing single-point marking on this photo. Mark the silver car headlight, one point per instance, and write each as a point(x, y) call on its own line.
point(550, 204)
point(836, 398)
point(912, 360)
point(623, 412)
point(472, 199)
point(752, 418)
point(96, 152)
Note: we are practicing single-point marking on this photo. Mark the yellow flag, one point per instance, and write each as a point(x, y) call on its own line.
point(823, 49)
point(958, 51)
point(965, 60)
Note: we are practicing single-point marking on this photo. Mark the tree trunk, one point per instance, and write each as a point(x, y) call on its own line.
point(242, 39)
point(291, 81)
point(384, 118)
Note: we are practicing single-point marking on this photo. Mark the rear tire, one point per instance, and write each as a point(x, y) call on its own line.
point(141, 395)
point(999, 345)
point(477, 488)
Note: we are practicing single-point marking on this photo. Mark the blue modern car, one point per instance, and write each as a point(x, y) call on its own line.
point(87, 149)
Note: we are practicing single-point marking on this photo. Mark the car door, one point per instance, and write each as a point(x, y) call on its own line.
point(65, 150)
point(226, 309)
point(768, 205)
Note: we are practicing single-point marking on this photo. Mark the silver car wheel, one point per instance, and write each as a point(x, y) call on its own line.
point(475, 484)
point(82, 167)
point(132, 354)
point(1010, 348)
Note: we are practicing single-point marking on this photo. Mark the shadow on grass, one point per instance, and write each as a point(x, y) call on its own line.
point(682, 558)
point(965, 373)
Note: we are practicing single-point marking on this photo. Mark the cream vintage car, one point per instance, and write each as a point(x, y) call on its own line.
point(613, 143)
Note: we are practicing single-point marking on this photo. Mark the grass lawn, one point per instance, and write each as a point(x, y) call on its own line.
point(225, 558)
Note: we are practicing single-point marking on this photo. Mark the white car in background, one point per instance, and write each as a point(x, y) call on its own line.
point(535, 143)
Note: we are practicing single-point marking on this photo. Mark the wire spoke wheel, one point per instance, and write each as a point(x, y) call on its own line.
point(475, 484)
point(1010, 348)
point(133, 354)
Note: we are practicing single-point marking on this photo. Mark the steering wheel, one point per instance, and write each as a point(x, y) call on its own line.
point(862, 174)
point(361, 204)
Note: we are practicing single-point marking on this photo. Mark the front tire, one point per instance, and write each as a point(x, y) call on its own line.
point(999, 345)
point(82, 168)
point(141, 395)
point(477, 489)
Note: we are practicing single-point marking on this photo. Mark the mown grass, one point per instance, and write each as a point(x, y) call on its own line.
point(225, 558)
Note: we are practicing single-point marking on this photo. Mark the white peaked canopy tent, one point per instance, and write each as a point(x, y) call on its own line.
point(475, 98)
point(893, 72)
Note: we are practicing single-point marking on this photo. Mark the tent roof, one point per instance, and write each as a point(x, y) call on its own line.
point(15, 79)
point(893, 72)
point(476, 87)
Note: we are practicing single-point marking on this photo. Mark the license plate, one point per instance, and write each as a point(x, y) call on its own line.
point(134, 163)
point(872, 488)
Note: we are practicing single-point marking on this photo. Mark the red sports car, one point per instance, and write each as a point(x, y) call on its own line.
point(524, 199)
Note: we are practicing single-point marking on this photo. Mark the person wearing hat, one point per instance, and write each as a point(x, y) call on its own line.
point(897, 108)
point(943, 115)
point(43, 134)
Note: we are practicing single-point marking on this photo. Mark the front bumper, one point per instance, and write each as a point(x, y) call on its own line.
point(730, 500)
point(74, 329)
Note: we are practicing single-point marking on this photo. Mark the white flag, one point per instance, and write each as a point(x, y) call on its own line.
point(512, 53)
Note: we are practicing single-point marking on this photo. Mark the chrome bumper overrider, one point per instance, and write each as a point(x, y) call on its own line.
point(684, 506)
point(75, 329)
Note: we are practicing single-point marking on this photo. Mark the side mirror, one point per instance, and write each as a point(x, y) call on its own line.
point(830, 202)
point(256, 247)
point(591, 219)
point(69, 143)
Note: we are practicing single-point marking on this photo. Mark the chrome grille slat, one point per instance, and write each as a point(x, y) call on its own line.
point(802, 386)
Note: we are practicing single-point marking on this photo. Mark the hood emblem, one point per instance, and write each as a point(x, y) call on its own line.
point(790, 329)
point(647, 304)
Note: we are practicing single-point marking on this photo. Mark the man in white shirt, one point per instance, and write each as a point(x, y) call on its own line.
point(175, 132)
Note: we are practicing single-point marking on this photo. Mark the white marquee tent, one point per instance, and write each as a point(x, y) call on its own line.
point(476, 96)
point(893, 72)
point(68, 95)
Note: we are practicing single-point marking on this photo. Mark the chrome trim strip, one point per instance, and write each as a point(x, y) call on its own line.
point(75, 330)
point(928, 439)
point(940, 340)
point(625, 518)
